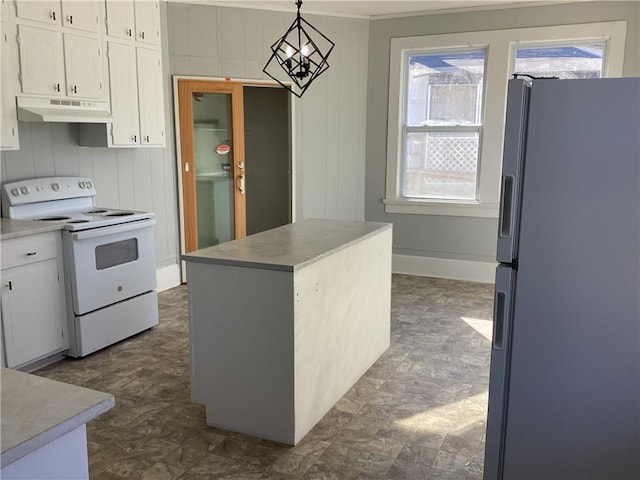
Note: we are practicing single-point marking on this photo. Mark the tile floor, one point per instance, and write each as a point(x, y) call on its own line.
point(418, 413)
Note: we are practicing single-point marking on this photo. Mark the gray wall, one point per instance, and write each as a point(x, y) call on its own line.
point(329, 121)
point(461, 238)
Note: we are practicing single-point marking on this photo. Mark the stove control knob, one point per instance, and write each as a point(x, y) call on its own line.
point(82, 185)
point(15, 192)
point(89, 184)
point(55, 187)
point(24, 190)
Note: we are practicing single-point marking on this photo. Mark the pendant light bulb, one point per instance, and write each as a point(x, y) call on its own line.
point(305, 50)
point(289, 51)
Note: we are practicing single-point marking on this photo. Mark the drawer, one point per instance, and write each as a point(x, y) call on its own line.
point(29, 249)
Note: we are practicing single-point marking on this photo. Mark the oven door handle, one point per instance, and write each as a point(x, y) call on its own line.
point(102, 231)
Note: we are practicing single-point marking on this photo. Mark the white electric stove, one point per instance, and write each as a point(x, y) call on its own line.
point(109, 258)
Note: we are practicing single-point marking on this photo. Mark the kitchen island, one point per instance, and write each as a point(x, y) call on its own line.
point(43, 426)
point(284, 322)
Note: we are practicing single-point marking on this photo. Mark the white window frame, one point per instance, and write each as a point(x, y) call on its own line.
point(500, 46)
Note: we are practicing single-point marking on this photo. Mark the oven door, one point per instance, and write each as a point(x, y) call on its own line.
point(106, 265)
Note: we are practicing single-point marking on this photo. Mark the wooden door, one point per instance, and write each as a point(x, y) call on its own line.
point(224, 170)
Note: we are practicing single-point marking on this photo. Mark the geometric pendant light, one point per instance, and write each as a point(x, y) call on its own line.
point(302, 53)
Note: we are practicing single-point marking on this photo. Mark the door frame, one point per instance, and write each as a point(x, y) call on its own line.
point(178, 148)
point(185, 95)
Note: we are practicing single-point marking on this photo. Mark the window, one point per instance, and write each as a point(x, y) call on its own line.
point(447, 97)
point(562, 61)
point(441, 133)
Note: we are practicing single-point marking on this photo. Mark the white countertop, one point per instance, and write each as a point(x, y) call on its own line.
point(36, 411)
point(10, 228)
point(290, 247)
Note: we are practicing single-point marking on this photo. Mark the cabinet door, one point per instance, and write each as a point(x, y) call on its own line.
point(41, 61)
point(39, 11)
point(150, 96)
point(32, 329)
point(83, 66)
point(147, 21)
point(120, 19)
point(124, 94)
point(9, 83)
point(82, 15)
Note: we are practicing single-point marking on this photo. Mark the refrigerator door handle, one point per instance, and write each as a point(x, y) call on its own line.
point(506, 206)
point(500, 306)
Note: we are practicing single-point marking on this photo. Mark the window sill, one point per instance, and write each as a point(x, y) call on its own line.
point(461, 208)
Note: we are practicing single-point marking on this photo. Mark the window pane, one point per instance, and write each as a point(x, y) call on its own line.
point(583, 61)
point(445, 88)
point(441, 165)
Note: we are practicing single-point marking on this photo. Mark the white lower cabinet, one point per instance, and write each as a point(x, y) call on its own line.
point(33, 308)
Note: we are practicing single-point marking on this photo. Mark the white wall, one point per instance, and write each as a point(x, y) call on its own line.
point(458, 247)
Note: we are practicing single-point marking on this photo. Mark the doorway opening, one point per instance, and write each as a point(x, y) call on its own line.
point(235, 159)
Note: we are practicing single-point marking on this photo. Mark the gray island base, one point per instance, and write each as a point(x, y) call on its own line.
point(284, 322)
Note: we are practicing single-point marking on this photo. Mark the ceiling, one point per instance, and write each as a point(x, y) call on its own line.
point(374, 8)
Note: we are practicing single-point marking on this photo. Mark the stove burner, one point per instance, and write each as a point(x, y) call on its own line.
point(53, 219)
point(78, 221)
point(98, 210)
point(118, 214)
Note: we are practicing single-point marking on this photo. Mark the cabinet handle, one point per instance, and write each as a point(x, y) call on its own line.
point(57, 87)
point(135, 138)
point(75, 89)
point(52, 15)
point(70, 19)
point(9, 285)
point(142, 35)
point(31, 254)
point(129, 32)
point(147, 138)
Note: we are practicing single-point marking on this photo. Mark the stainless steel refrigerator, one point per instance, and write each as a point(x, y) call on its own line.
point(564, 394)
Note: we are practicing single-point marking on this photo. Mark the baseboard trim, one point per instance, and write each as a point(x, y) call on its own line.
point(168, 277)
point(469, 270)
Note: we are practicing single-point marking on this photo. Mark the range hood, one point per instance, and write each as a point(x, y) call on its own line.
point(68, 111)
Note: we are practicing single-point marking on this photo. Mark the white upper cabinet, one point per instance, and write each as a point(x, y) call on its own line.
point(147, 21)
point(124, 94)
point(150, 96)
point(137, 20)
point(120, 19)
point(135, 78)
point(81, 15)
point(41, 61)
point(77, 14)
point(84, 66)
point(48, 12)
point(61, 52)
